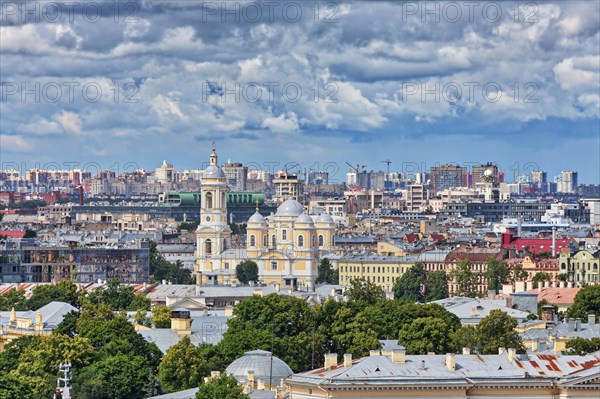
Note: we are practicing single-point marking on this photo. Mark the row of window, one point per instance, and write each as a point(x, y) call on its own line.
point(284, 237)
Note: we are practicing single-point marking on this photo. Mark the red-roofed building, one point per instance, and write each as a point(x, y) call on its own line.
point(562, 298)
point(13, 233)
point(534, 245)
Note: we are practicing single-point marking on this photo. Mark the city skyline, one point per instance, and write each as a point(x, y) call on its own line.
point(164, 80)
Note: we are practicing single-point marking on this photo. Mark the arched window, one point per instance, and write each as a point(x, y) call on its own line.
point(208, 246)
point(265, 240)
point(273, 241)
point(252, 240)
point(321, 240)
point(301, 241)
point(209, 200)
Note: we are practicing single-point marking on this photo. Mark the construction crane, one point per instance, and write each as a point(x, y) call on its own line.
point(387, 162)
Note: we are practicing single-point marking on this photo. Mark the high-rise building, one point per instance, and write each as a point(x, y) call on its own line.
point(448, 176)
point(416, 197)
point(237, 176)
point(567, 182)
point(165, 173)
point(538, 179)
point(288, 185)
point(487, 173)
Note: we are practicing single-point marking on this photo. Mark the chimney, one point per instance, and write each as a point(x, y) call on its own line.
point(258, 292)
point(534, 346)
point(472, 312)
point(541, 346)
point(250, 378)
point(422, 364)
point(547, 313)
point(500, 351)
point(399, 356)
point(571, 323)
point(229, 311)
point(348, 360)
point(451, 361)
point(374, 352)
point(466, 351)
point(81, 195)
point(512, 352)
point(578, 324)
point(330, 360)
point(260, 385)
point(591, 319)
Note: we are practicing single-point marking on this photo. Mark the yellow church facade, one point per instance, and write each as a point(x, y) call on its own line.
point(286, 246)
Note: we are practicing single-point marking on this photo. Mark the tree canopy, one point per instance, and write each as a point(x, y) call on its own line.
point(411, 285)
point(247, 271)
point(361, 290)
point(222, 387)
point(465, 278)
point(326, 274)
point(586, 302)
point(497, 273)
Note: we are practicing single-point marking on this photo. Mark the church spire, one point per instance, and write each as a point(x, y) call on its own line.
point(213, 154)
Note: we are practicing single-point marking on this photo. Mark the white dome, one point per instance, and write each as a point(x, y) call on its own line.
point(325, 218)
point(213, 172)
point(304, 218)
point(260, 362)
point(290, 207)
point(256, 218)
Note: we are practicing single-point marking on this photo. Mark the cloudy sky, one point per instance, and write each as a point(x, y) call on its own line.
point(318, 83)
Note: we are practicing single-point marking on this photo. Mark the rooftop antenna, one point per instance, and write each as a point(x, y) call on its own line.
point(62, 384)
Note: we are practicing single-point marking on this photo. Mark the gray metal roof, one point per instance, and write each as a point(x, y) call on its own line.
point(264, 365)
point(432, 369)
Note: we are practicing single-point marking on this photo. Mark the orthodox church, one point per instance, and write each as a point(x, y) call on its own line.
point(286, 245)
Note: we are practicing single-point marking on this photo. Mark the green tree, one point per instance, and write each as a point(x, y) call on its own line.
point(437, 286)
point(497, 273)
point(539, 277)
point(465, 278)
point(326, 274)
point(119, 297)
point(586, 302)
point(188, 226)
point(497, 330)
point(411, 286)
point(579, 346)
point(68, 326)
point(562, 277)
point(518, 273)
point(223, 387)
point(141, 317)
point(12, 387)
point(180, 368)
point(238, 229)
point(13, 299)
point(29, 233)
point(63, 291)
point(162, 269)
point(247, 271)
point(114, 377)
point(38, 364)
point(285, 322)
point(426, 334)
point(161, 316)
point(361, 290)
point(466, 337)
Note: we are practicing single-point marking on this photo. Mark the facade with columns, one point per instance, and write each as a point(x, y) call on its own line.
point(286, 246)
